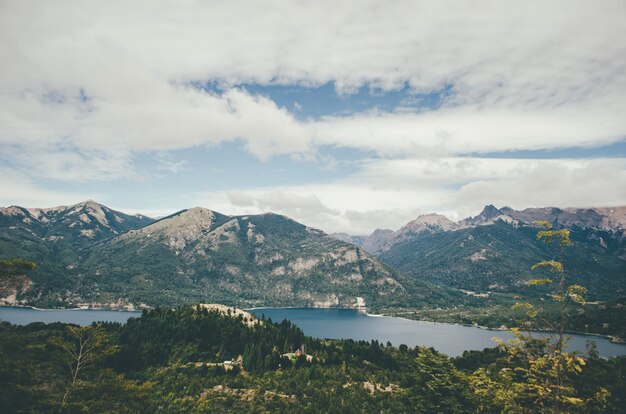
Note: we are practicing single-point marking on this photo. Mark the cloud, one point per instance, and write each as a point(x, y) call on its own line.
point(16, 189)
point(87, 91)
point(59, 161)
point(113, 79)
point(240, 199)
point(451, 131)
point(389, 193)
point(179, 117)
point(307, 209)
point(582, 183)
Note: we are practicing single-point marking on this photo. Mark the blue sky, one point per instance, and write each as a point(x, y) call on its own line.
point(345, 117)
point(311, 102)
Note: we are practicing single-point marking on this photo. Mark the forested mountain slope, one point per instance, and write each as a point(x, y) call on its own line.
point(197, 255)
point(495, 250)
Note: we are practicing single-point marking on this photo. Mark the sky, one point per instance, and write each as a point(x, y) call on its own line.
point(346, 116)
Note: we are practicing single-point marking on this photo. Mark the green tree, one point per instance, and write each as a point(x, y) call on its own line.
point(15, 267)
point(13, 276)
point(440, 387)
point(540, 375)
point(83, 346)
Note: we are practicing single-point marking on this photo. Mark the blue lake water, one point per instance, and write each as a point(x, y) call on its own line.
point(334, 323)
point(447, 338)
point(24, 316)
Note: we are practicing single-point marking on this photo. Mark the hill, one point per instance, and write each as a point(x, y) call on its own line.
point(78, 225)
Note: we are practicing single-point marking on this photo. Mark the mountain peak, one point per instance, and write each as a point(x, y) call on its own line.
point(490, 211)
point(489, 215)
point(90, 202)
point(198, 216)
point(426, 222)
point(196, 210)
point(433, 218)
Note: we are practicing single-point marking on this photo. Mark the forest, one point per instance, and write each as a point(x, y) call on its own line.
point(194, 360)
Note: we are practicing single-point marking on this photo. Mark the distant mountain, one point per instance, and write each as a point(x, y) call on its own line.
point(495, 250)
point(607, 219)
point(490, 215)
point(56, 239)
point(610, 219)
point(377, 240)
point(382, 240)
point(198, 255)
point(344, 237)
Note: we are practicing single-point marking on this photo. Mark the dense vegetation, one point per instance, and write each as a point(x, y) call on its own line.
point(498, 258)
point(172, 361)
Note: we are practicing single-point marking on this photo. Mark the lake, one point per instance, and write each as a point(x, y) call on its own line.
point(333, 323)
point(24, 316)
point(447, 338)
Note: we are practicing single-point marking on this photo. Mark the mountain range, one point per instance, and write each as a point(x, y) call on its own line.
point(611, 219)
point(88, 254)
point(495, 250)
point(91, 255)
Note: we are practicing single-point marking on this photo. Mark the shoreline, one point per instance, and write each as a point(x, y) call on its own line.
point(80, 308)
point(611, 338)
point(306, 307)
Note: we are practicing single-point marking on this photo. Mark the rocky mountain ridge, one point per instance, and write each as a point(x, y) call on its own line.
point(81, 223)
point(195, 255)
point(610, 219)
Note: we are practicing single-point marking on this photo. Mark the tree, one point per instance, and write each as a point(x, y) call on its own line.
point(15, 267)
point(82, 346)
point(13, 276)
point(539, 378)
point(442, 388)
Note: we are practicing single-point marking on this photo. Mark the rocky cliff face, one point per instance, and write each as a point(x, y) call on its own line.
point(608, 219)
point(489, 215)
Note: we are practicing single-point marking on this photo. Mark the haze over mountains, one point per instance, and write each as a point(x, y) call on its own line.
point(90, 254)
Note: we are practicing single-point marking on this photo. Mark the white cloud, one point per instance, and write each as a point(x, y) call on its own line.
point(389, 193)
point(526, 75)
point(16, 189)
point(475, 130)
point(582, 183)
point(87, 87)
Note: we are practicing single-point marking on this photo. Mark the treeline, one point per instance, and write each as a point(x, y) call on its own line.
point(172, 361)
